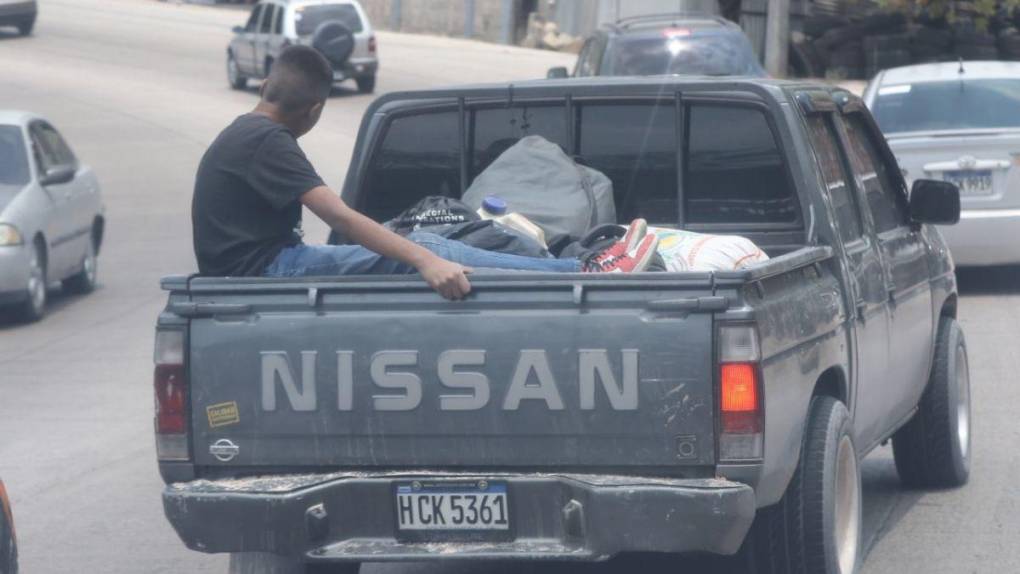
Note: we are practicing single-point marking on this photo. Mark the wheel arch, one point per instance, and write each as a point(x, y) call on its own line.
point(833, 383)
point(98, 229)
point(40, 239)
point(949, 306)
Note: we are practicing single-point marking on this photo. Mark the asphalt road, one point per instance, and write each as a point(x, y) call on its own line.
point(138, 87)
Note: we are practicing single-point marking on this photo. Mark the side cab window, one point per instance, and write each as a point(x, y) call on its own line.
point(882, 190)
point(834, 173)
point(269, 14)
point(278, 21)
point(253, 20)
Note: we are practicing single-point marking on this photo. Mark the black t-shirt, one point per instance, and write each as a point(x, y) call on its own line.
point(245, 208)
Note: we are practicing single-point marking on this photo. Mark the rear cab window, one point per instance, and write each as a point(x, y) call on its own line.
point(307, 18)
point(735, 176)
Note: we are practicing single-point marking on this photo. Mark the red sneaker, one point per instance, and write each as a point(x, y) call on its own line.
point(631, 262)
point(636, 231)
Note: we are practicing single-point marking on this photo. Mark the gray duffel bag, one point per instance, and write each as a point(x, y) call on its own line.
point(541, 182)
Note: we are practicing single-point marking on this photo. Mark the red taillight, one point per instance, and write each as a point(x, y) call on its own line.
point(739, 388)
point(371, 44)
point(170, 385)
point(741, 420)
point(171, 392)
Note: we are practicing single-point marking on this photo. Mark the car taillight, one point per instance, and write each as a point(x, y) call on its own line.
point(171, 389)
point(740, 402)
point(371, 44)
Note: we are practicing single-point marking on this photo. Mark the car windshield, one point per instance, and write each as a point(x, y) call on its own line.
point(709, 55)
point(308, 18)
point(948, 106)
point(13, 159)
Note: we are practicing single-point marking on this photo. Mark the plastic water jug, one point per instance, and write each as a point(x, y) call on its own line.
point(495, 208)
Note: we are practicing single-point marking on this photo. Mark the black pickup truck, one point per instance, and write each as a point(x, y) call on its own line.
point(313, 424)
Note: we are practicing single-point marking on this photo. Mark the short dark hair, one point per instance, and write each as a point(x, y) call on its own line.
point(300, 78)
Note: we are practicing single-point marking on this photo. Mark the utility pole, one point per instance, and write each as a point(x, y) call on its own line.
point(777, 37)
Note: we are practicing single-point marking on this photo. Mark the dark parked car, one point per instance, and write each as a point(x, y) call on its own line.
point(310, 421)
point(20, 14)
point(666, 44)
point(8, 541)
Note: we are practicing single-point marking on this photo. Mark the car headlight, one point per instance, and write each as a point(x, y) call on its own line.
point(9, 235)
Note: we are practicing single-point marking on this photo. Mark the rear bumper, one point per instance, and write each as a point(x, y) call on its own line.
point(985, 237)
point(356, 68)
point(553, 517)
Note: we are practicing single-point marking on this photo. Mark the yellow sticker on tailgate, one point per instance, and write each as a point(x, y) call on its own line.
point(223, 414)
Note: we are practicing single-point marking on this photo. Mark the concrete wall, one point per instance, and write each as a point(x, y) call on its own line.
point(445, 17)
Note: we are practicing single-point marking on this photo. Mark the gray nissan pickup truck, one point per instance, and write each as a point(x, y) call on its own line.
point(312, 424)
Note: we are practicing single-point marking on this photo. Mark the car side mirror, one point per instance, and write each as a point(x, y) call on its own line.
point(58, 175)
point(933, 201)
point(237, 29)
point(557, 73)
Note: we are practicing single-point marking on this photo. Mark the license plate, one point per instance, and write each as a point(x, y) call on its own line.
point(971, 182)
point(478, 505)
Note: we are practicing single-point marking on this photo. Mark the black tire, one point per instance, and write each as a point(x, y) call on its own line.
point(33, 308)
point(802, 532)
point(25, 27)
point(266, 563)
point(837, 37)
point(85, 280)
point(366, 84)
point(933, 449)
point(976, 53)
point(933, 38)
point(804, 60)
point(973, 38)
point(816, 26)
point(885, 42)
point(335, 41)
point(235, 78)
point(884, 23)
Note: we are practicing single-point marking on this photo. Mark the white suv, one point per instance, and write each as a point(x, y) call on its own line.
point(276, 24)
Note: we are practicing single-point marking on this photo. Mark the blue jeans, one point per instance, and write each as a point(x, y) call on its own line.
point(328, 260)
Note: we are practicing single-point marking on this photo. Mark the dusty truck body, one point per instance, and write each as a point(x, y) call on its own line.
point(322, 422)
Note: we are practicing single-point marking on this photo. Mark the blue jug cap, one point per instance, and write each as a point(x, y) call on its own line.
point(494, 205)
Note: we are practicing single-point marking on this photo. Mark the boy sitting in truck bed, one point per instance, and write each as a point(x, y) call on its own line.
point(253, 180)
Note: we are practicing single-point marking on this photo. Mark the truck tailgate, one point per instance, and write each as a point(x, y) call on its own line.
point(557, 373)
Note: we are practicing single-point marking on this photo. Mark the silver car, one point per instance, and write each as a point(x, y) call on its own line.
point(51, 215)
point(960, 122)
point(275, 24)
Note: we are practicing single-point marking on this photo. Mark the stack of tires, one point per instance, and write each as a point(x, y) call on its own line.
point(846, 48)
point(858, 47)
point(972, 43)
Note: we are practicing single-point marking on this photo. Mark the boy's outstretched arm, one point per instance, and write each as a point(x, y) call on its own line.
point(447, 278)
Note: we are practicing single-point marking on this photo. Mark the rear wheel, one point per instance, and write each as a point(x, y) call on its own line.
point(85, 280)
point(235, 78)
point(266, 563)
point(366, 84)
point(34, 306)
point(933, 449)
point(816, 526)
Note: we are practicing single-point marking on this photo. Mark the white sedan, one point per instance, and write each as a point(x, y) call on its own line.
point(960, 122)
point(51, 215)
